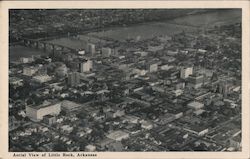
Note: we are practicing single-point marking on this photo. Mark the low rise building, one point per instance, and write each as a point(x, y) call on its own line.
point(42, 78)
point(90, 148)
point(131, 119)
point(195, 105)
point(146, 125)
point(153, 67)
point(49, 119)
point(26, 59)
point(118, 135)
point(16, 81)
point(70, 106)
point(29, 71)
point(197, 130)
point(37, 113)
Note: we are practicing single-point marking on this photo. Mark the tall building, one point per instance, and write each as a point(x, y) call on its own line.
point(75, 65)
point(214, 77)
point(91, 48)
point(74, 79)
point(106, 52)
point(223, 87)
point(195, 81)
point(185, 72)
point(86, 66)
point(37, 113)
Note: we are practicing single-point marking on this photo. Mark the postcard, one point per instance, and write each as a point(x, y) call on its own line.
point(124, 79)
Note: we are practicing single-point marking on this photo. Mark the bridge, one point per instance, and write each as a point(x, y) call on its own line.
point(46, 46)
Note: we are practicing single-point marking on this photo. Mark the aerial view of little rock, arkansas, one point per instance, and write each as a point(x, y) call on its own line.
point(126, 80)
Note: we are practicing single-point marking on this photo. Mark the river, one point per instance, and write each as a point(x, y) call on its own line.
point(144, 31)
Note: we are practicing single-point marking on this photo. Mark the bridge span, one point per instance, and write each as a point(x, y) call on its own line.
point(45, 46)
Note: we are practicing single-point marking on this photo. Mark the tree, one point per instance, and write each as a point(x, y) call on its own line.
point(60, 146)
point(137, 147)
point(29, 101)
point(83, 143)
point(97, 133)
point(63, 113)
point(81, 115)
point(106, 128)
point(74, 131)
point(101, 110)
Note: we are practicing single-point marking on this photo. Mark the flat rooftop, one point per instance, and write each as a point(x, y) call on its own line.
point(70, 105)
point(45, 104)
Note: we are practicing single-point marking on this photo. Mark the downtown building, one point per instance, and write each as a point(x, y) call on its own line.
point(185, 72)
point(106, 52)
point(29, 71)
point(91, 48)
point(195, 81)
point(74, 79)
point(37, 113)
point(86, 66)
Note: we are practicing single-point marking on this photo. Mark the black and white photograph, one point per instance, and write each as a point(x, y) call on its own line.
point(125, 80)
point(143, 80)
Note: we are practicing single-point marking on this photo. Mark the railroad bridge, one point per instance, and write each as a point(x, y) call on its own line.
point(46, 46)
